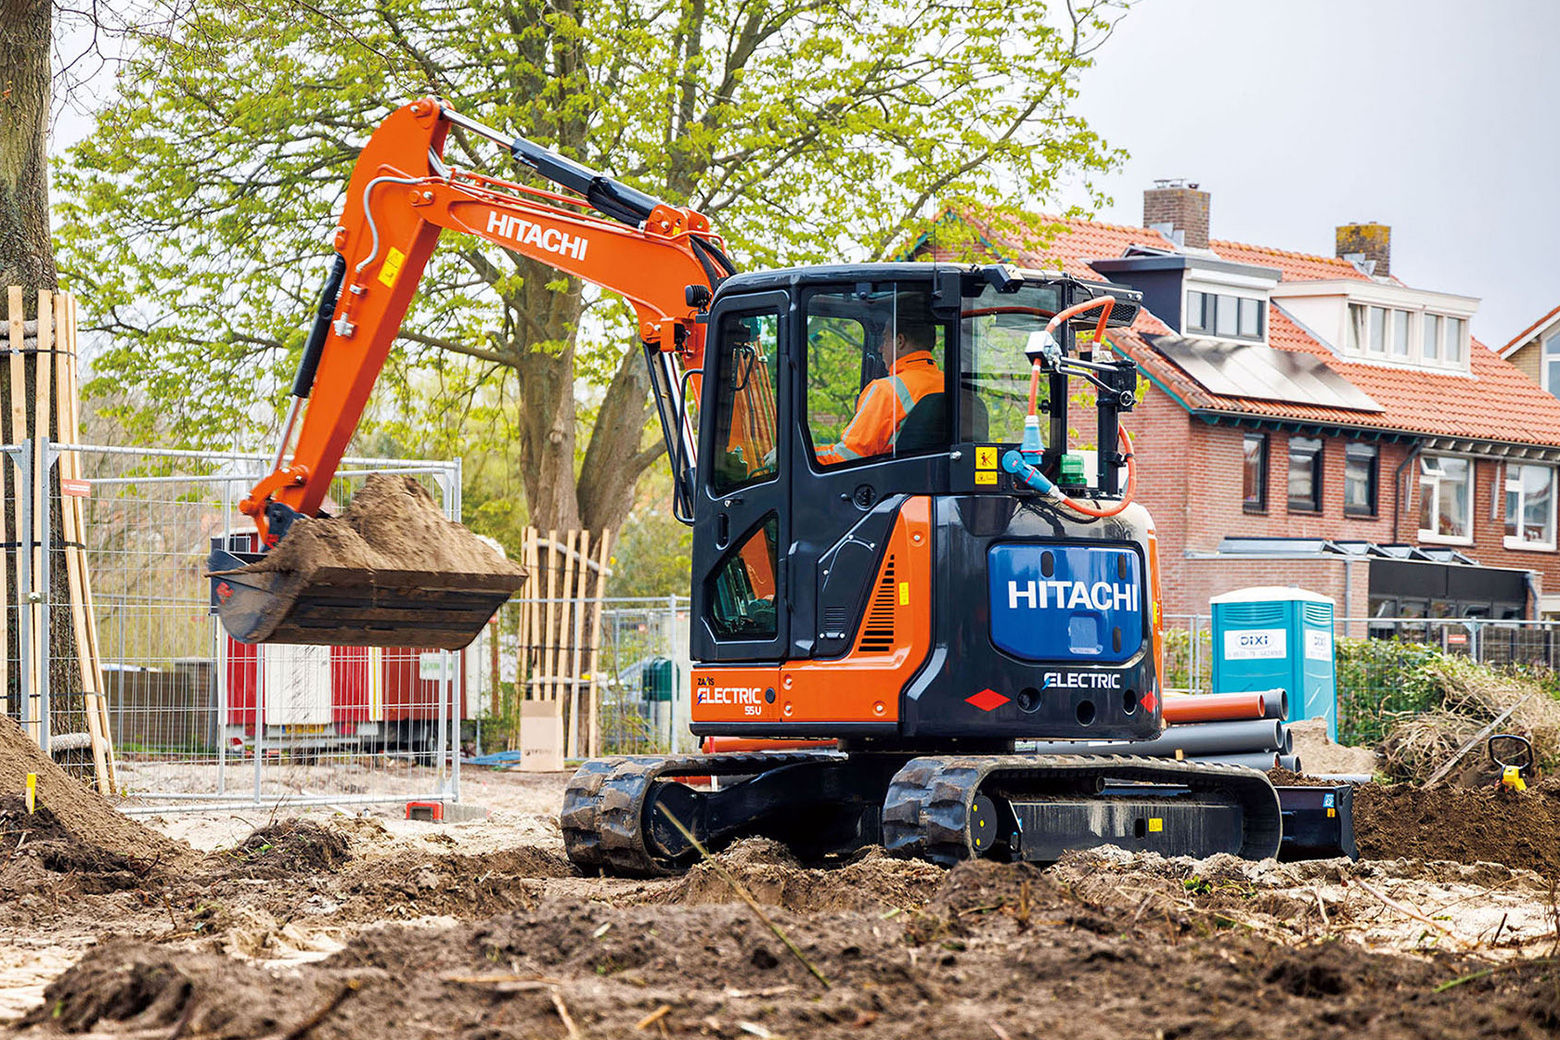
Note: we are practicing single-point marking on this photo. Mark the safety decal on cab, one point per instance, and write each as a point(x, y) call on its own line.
point(987, 699)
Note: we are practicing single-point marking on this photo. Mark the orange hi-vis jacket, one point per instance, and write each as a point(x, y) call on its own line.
point(882, 407)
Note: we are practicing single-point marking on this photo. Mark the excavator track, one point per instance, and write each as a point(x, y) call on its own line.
point(605, 823)
point(617, 812)
point(950, 808)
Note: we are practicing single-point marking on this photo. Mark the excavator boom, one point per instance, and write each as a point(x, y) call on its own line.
point(663, 260)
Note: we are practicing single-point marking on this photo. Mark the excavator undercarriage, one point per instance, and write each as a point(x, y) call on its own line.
point(618, 813)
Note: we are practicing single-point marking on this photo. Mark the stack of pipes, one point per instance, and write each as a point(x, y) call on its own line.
point(1245, 729)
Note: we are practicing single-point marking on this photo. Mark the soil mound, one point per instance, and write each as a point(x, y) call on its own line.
point(1491, 825)
point(286, 848)
point(872, 880)
point(34, 842)
point(1321, 755)
point(82, 815)
point(392, 523)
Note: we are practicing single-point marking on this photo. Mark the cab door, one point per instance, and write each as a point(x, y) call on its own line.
point(742, 529)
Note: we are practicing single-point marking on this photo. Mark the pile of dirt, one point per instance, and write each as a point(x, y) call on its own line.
point(286, 848)
point(464, 885)
point(1001, 945)
point(392, 523)
point(1318, 753)
point(872, 880)
point(1469, 825)
point(37, 842)
point(76, 814)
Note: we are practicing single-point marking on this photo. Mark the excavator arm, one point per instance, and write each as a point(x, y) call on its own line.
point(664, 261)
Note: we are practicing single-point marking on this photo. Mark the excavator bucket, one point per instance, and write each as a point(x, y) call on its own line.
point(390, 571)
point(346, 606)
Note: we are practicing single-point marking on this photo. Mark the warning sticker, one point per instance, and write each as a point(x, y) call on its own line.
point(394, 258)
point(904, 594)
point(985, 477)
point(986, 458)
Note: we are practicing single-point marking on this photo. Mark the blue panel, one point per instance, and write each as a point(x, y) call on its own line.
point(1073, 613)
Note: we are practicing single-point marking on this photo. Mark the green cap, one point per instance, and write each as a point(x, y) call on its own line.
point(1072, 471)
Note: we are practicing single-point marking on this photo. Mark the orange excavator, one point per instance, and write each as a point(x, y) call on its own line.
point(974, 584)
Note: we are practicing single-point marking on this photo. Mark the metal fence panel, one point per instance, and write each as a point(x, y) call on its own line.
point(199, 719)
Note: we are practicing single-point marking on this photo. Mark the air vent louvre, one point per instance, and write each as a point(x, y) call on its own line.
point(877, 630)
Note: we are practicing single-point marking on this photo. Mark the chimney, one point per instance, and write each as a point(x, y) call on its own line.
point(1181, 206)
point(1367, 246)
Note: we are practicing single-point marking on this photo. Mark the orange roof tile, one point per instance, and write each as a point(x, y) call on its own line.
point(1492, 401)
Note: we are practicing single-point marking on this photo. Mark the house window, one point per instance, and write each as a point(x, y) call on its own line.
point(1360, 464)
point(1530, 506)
point(1456, 332)
point(1254, 473)
point(1432, 337)
point(1229, 317)
point(1551, 363)
point(1305, 475)
point(1400, 321)
point(1445, 498)
point(1377, 344)
point(1250, 319)
point(1356, 327)
point(1196, 312)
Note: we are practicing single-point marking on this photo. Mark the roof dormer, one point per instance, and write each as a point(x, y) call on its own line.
point(1383, 322)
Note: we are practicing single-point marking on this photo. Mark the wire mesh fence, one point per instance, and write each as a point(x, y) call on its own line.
point(1378, 661)
point(196, 718)
point(640, 674)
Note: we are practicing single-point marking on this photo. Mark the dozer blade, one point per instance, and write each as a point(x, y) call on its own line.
point(346, 606)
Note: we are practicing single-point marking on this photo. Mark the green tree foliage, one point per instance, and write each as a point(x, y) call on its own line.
point(194, 217)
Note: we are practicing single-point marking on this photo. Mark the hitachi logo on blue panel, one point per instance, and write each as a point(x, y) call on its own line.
point(1071, 595)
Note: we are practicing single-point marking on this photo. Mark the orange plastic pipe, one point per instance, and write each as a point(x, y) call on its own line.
point(1213, 707)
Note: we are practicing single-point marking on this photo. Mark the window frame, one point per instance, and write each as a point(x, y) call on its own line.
point(1371, 454)
point(1513, 474)
point(1435, 480)
point(1258, 505)
point(1211, 305)
point(1549, 354)
point(1315, 449)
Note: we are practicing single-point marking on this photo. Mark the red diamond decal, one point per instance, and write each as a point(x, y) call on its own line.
point(988, 700)
point(1148, 700)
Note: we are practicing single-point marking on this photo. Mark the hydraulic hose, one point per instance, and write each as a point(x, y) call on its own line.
point(1015, 462)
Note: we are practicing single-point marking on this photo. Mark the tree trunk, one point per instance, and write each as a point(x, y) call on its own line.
point(26, 257)
point(27, 260)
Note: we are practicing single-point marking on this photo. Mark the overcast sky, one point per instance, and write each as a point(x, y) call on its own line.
point(1439, 118)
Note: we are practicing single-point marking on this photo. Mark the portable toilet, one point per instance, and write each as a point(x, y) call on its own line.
point(1270, 637)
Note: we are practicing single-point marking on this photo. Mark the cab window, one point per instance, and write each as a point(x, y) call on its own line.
point(746, 400)
point(994, 381)
point(742, 600)
point(876, 360)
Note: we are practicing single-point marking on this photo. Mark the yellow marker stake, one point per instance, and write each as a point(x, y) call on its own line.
point(32, 792)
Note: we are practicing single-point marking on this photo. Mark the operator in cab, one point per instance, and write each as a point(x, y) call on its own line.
point(883, 405)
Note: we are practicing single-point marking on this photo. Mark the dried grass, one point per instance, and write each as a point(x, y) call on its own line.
point(1471, 697)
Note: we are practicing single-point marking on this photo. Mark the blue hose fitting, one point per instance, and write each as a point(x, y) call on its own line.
point(1014, 463)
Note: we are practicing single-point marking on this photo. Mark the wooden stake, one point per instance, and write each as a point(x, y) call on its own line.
point(43, 396)
point(92, 655)
point(547, 690)
point(71, 523)
point(603, 568)
point(561, 651)
point(581, 597)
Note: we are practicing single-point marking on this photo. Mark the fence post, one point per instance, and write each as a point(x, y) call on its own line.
point(45, 460)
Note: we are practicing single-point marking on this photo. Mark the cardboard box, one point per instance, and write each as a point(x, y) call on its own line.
point(541, 737)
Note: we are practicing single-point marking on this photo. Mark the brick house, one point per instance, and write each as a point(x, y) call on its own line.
point(1313, 420)
point(1536, 351)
